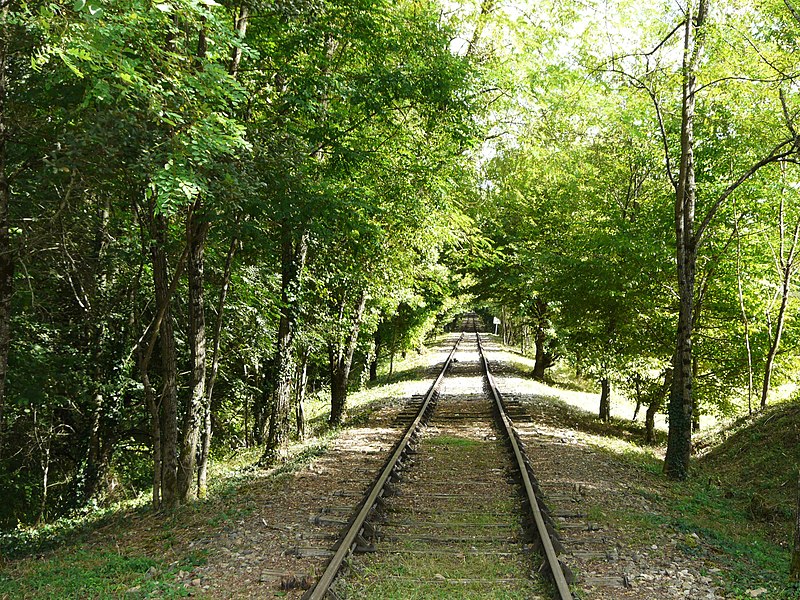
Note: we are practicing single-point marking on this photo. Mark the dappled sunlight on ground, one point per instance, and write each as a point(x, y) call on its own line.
point(621, 407)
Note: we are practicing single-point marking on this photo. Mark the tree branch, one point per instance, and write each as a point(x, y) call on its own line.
point(738, 78)
point(775, 155)
point(786, 115)
point(659, 116)
point(792, 10)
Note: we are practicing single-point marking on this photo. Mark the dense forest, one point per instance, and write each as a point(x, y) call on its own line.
point(211, 211)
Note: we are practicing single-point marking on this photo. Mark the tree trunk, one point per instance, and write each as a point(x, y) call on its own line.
point(240, 26)
point(262, 409)
point(169, 373)
point(341, 359)
point(523, 340)
point(154, 408)
point(787, 270)
point(542, 360)
point(145, 347)
point(540, 338)
point(196, 233)
point(695, 399)
point(655, 406)
point(605, 399)
point(681, 402)
point(776, 340)
point(99, 450)
point(202, 467)
point(6, 252)
point(507, 325)
point(293, 258)
point(638, 388)
point(745, 320)
point(300, 394)
point(679, 443)
point(373, 364)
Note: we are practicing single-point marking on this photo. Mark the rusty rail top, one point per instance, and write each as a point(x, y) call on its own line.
point(551, 557)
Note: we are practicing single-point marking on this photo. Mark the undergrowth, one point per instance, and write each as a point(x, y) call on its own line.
point(62, 559)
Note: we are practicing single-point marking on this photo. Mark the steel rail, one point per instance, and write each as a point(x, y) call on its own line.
point(551, 557)
point(350, 538)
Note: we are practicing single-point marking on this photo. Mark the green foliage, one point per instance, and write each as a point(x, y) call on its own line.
point(346, 123)
point(578, 204)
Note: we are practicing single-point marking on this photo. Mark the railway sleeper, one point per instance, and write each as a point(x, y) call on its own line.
point(446, 552)
point(308, 552)
point(363, 546)
point(587, 526)
point(463, 581)
point(330, 521)
point(445, 525)
point(390, 490)
point(607, 581)
point(554, 539)
point(460, 539)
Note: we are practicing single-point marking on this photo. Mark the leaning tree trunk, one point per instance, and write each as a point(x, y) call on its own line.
point(196, 233)
point(341, 360)
point(638, 390)
point(6, 253)
point(787, 270)
point(202, 467)
point(679, 441)
point(776, 341)
point(655, 406)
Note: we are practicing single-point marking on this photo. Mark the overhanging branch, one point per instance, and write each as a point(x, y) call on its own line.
point(779, 152)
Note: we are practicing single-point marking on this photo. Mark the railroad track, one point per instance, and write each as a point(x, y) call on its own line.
point(449, 514)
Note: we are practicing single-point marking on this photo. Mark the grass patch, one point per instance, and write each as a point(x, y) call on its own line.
point(402, 589)
point(709, 523)
point(94, 574)
point(448, 440)
point(24, 541)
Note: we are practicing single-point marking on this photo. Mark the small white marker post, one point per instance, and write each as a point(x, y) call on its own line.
point(496, 322)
